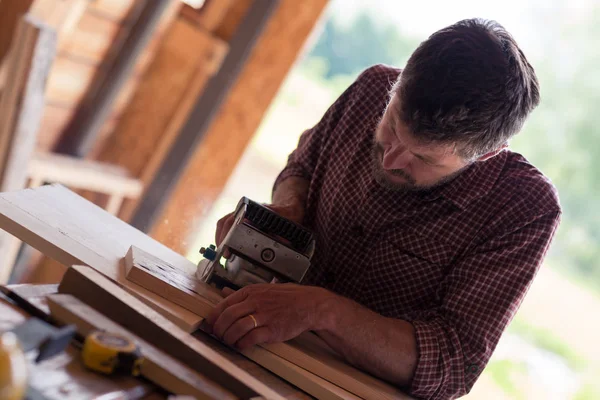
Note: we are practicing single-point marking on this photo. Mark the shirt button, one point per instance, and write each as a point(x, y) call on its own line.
point(472, 368)
point(357, 231)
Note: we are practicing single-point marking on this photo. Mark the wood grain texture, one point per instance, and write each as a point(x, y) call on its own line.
point(215, 158)
point(307, 351)
point(84, 174)
point(93, 39)
point(21, 108)
point(210, 15)
point(54, 118)
point(71, 230)
point(162, 100)
point(141, 66)
point(158, 366)
point(105, 296)
point(69, 80)
point(146, 269)
point(10, 14)
point(117, 10)
point(22, 104)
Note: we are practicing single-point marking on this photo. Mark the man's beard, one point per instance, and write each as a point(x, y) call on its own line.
point(410, 185)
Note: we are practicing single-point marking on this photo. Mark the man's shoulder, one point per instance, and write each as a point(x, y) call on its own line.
point(533, 189)
point(377, 79)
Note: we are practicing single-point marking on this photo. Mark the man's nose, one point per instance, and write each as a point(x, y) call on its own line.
point(396, 157)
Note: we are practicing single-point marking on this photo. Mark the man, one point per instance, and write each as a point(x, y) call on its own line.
point(429, 231)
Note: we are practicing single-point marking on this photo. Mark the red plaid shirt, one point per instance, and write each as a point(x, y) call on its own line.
point(456, 262)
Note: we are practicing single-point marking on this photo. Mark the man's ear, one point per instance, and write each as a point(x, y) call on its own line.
point(493, 153)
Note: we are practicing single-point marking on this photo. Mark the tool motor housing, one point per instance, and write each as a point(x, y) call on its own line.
point(263, 246)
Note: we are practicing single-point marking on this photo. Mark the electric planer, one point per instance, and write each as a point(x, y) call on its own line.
point(264, 247)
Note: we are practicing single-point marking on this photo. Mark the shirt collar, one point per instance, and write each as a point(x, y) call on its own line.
point(475, 182)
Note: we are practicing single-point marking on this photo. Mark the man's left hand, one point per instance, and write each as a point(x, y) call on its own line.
point(267, 313)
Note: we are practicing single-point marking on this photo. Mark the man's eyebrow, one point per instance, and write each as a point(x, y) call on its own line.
point(424, 158)
point(393, 122)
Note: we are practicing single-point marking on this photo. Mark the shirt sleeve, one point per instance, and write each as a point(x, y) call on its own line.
point(481, 294)
point(303, 160)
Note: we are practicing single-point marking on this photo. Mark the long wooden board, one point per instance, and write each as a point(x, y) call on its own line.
point(73, 231)
point(106, 297)
point(158, 366)
point(308, 351)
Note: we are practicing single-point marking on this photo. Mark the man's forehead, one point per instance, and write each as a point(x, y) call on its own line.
point(433, 149)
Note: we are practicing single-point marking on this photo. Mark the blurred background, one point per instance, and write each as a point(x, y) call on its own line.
point(166, 112)
point(552, 349)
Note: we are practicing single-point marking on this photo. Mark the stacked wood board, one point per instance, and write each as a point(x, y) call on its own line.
point(161, 302)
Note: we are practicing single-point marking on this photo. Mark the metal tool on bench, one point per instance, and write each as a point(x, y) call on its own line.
point(33, 337)
point(263, 246)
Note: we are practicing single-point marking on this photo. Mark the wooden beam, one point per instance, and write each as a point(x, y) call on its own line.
point(307, 351)
point(205, 108)
point(210, 15)
point(21, 108)
point(92, 288)
point(163, 100)
point(158, 366)
point(84, 174)
point(91, 120)
point(10, 15)
point(22, 103)
point(211, 158)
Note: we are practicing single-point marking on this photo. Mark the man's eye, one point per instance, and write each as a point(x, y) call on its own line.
point(427, 162)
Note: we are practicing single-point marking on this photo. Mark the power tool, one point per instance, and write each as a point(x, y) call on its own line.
point(264, 247)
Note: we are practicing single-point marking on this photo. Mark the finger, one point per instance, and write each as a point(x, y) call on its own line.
point(226, 291)
point(220, 229)
point(260, 335)
point(238, 329)
point(228, 301)
point(230, 316)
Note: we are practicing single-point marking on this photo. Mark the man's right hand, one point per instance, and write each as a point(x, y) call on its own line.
point(292, 211)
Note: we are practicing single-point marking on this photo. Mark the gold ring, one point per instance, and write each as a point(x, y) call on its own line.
point(254, 320)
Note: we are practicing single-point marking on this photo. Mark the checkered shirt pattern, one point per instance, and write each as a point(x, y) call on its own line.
point(456, 261)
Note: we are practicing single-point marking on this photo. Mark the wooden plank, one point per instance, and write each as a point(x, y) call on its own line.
point(91, 119)
point(23, 101)
point(206, 107)
point(84, 174)
point(93, 39)
point(158, 366)
point(92, 288)
point(71, 230)
point(10, 14)
point(68, 81)
point(210, 15)
point(214, 159)
point(21, 109)
point(307, 351)
point(148, 270)
point(226, 29)
point(117, 10)
point(173, 121)
point(54, 119)
point(158, 99)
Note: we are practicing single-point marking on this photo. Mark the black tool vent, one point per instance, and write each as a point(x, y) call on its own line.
point(273, 224)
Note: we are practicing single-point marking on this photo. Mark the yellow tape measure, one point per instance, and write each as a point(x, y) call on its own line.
point(111, 353)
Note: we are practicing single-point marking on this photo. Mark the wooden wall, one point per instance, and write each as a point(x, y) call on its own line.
point(238, 119)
